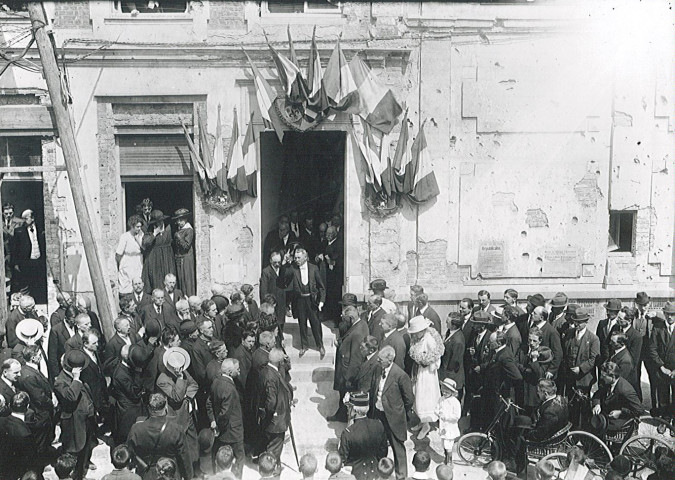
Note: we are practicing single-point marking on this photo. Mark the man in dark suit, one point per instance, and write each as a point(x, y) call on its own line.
point(64, 300)
point(607, 325)
point(424, 309)
point(478, 350)
point(26, 310)
point(281, 239)
point(616, 398)
point(549, 338)
point(452, 361)
point(201, 356)
point(171, 293)
point(348, 359)
point(124, 335)
point(391, 401)
point(524, 321)
point(373, 316)
point(58, 337)
point(84, 306)
point(140, 296)
point(662, 355)
point(633, 339)
point(268, 286)
point(93, 374)
point(394, 338)
point(402, 329)
point(623, 359)
point(411, 307)
point(33, 382)
point(332, 256)
point(303, 279)
point(551, 415)
point(129, 310)
point(511, 333)
point(159, 436)
point(158, 311)
point(18, 444)
point(224, 411)
point(27, 248)
point(308, 237)
point(278, 397)
point(78, 414)
point(244, 354)
point(127, 390)
point(365, 373)
point(484, 303)
point(500, 374)
point(11, 371)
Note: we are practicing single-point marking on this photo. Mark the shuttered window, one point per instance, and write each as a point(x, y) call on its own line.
point(154, 155)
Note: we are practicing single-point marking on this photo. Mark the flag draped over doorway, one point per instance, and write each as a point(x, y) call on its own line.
point(265, 95)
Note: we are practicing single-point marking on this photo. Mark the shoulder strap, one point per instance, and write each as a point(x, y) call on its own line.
point(161, 431)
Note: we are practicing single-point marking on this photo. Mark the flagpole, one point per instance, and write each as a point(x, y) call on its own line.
point(419, 122)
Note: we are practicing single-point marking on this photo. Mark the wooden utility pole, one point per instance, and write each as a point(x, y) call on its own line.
point(71, 155)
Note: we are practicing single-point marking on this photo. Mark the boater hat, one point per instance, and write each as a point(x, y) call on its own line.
point(176, 357)
point(29, 330)
point(417, 324)
point(449, 384)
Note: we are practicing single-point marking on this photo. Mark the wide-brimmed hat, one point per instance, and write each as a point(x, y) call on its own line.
point(613, 305)
point(581, 315)
point(157, 216)
point(418, 324)
point(449, 384)
point(349, 300)
point(545, 355)
point(359, 399)
point(378, 284)
point(482, 317)
point(669, 308)
point(176, 357)
point(75, 359)
point(559, 300)
point(181, 213)
point(29, 330)
point(537, 300)
point(642, 298)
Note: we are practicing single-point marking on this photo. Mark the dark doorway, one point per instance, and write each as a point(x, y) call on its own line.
point(28, 195)
point(167, 196)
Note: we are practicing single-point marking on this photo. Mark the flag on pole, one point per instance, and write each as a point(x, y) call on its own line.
point(289, 75)
point(377, 104)
point(386, 170)
point(401, 161)
point(265, 95)
point(291, 48)
point(425, 186)
point(235, 159)
point(242, 165)
point(198, 163)
point(339, 83)
point(371, 157)
point(250, 160)
point(219, 161)
point(317, 101)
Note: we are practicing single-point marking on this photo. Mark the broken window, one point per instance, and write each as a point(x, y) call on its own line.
point(300, 6)
point(621, 230)
point(145, 6)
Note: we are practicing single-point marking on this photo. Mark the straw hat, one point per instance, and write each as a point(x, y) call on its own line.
point(29, 330)
point(418, 324)
point(176, 357)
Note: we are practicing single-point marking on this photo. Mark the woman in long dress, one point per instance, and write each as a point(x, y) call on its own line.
point(129, 254)
point(426, 350)
point(183, 243)
point(159, 260)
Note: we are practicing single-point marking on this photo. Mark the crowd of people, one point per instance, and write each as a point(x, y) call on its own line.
point(190, 387)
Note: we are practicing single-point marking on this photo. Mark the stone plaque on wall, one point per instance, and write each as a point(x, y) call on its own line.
point(561, 262)
point(491, 259)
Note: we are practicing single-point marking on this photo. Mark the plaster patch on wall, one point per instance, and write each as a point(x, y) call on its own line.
point(504, 199)
point(622, 119)
point(245, 240)
point(536, 218)
point(587, 190)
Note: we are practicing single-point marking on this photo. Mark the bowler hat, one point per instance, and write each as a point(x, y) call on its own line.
point(621, 465)
point(349, 300)
point(157, 216)
point(29, 330)
point(187, 328)
point(613, 305)
point(599, 424)
point(181, 213)
point(449, 384)
point(359, 399)
point(75, 359)
point(205, 440)
point(571, 309)
point(153, 328)
point(482, 317)
point(497, 318)
point(176, 357)
point(418, 324)
point(378, 284)
point(234, 311)
point(581, 315)
point(138, 357)
point(559, 300)
point(545, 355)
point(642, 298)
point(537, 300)
point(669, 308)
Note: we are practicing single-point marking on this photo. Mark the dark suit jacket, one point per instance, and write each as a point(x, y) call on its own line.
point(201, 356)
point(362, 445)
point(586, 358)
point(290, 277)
point(166, 317)
point(177, 295)
point(311, 242)
point(551, 339)
point(20, 245)
point(626, 365)
point(548, 418)
point(94, 377)
point(18, 448)
point(662, 349)
point(397, 399)
point(278, 396)
point(245, 361)
point(408, 361)
point(8, 393)
point(365, 373)
point(58, 316)
point(513, 339)
point(622, 398)
point(268, 284)
point(348, 356)
point(13, 319)
point(274, 243)
point(58, 337)
point(77, 409)
point(501, 373)
point(146, 298)
point(431, 315)
point(113, 349)
point(374, 322)
point(396, 341)
point(224, 407)
point(38, 388)
point(634, 345)
point(603, 337)
point(452, 361)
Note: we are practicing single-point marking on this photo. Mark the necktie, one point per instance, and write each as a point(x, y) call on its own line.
point(32, 229)
point(384, 374)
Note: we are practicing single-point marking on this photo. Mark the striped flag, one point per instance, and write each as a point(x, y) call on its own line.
point(339, 83)
point(317, 101)
point(265, 95)
point(291, 48)
point(235, 159)
point(204, 180)
point(377, 104)
point(425, 186)
point(290, 76)
point(401, 161)
point(250, 161)
point(219, 162)
point(371, 158)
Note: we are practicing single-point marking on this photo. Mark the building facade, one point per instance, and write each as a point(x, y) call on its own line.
point(550, 127)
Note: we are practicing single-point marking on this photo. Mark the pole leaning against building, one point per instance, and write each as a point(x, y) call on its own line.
point(72, 158)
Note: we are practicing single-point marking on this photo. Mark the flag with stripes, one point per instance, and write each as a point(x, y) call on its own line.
point(317, 100)
point(290, 76)
point(377, 104)
point(250, 161)
point(401, 161)
point(339, 83)
point(425, 186)
point(265, 95)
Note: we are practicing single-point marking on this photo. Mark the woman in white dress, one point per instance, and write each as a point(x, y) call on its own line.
point(426, 350)
point(129, 255)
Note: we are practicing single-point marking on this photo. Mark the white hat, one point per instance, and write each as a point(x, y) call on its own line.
point(417, 324)
point(449, 384)
point(29, 330)
point(176, 357)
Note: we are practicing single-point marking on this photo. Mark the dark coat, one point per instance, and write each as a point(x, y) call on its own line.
point(8, 393)
point(532, 372)
point(365, 373)
point(396, 341)
point(634, 345)
point(165, 318)
point(21, 246)
point(431, 315)
point(77, 411)
point(201, 356)
point(94, 377)
point(177, 295)
point(551, 338)
point(622, 398)
point(154, 367)
point(373, 321)
point(397, 399)
point(661, 351)
point(224, 407)
point(274, 243)
point(548, 418)
point(501, 373)
point(626, 364)
point(268, 285)
point(348, 356)
point(362, 445)
point(408, 362)
point(245, 360)
point(452, 361)
point(587, 354)
point(38, 388)
point(158, 437)
point(277, 401)
point(127, 390)
point(113, 350)
point(145, 298)
point(58, 316)
point(18, 448)
point(604, 336)
point(58, 336)
point(513, 340)
point(13, 319)
point(291, 278)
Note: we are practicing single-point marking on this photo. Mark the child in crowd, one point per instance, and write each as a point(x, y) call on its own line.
point(308, 466)
point(385, 468)
point(121, 458)
point(449, 411)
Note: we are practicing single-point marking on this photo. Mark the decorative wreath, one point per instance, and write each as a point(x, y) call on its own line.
point(381, 208)
point(220, 201)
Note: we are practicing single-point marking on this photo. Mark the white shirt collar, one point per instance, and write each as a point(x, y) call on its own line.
point(304, 266)
point(420, 476)
point(499, 349)
point(20, 416)
point(619, 350)
point(424, 309)
point(386, 334)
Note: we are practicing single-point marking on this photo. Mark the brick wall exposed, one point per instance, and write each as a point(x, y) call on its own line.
point(71, 14)
point(226, 15)
point(52, 205)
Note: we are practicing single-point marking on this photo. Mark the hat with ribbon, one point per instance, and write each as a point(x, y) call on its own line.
point(449, 384)
point(75, 359)
point(613, 305)
point(29, 330)
point(669, 308)
point(537, 300)
point(181, 213)
point(359, 399)
point(349, 299)
point(642, 298)
point(378, 284)
point(176, 357)
point(581, 315)
point(157, 216)
point(559, 300)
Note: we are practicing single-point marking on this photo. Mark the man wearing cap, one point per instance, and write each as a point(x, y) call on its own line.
point(159, 436)
point(363, 443)
point(378, 286)
point(348, 359)
point(225, 414)
point(78, 414)
point(607, 325)
point(662, 355)
point(394, 337)
point(580, 354)
point(452, 361)
point(427, 311)
point(180, 390)
point(126, 388)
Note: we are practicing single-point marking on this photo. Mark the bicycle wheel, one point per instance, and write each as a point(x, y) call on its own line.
point(477, 449)
point(641, 449)
point(598, 455)
point(559, 461)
